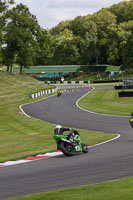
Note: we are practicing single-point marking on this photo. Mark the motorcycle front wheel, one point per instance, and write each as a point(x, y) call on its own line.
point(84, 148)
point(66, 148)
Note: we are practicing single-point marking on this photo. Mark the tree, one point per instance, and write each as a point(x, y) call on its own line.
point(60, 28)
point(85, 29)
point(87, 46)
point(4, 4)
point(44, 51)
point(20, 36)
point(65, 50)
point(126, 44)
point(104, 21)
point(123, 11)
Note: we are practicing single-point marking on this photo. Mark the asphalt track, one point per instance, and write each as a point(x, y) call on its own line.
point(106, 162)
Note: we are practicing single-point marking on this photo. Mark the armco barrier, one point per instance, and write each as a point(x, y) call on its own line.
point(83, 82)
point(38, 94)
point(118, 87)
point(126, 94)
point(68, 82)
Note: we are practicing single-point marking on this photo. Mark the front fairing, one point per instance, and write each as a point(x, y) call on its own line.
point(77, 138)
point(78, 147)
point(59, 137)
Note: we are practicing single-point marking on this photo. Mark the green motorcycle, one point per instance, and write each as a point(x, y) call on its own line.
point(70, 143)
point(131, 120)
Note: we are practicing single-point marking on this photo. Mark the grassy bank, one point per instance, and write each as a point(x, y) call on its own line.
point(116, 190)
point(107, 102)
point(21, 136)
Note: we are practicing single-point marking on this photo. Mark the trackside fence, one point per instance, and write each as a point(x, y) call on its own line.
point(82, 82)
point(38, 94)
point(67, 82)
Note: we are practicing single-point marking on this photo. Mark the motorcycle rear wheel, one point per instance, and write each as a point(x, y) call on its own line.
point(66, 148)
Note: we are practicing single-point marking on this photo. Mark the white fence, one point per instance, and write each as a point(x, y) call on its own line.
point(38, 94)
point(69, 82)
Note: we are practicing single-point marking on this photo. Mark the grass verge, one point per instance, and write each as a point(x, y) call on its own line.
point(107, 102)
point(115, 190)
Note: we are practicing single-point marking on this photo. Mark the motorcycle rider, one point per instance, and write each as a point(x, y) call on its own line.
point(59, 130)
point(59, 93)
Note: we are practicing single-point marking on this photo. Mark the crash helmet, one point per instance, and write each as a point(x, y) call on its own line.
point(58, 126)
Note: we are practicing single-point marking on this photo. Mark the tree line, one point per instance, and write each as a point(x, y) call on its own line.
point(105, 37)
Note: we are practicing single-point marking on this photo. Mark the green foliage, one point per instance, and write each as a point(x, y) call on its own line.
point(126, 44)
point(43, 51)
point(123, 11)
point(20, 36)
point(104, 37)
point(86, 32)
point(4, 4)
point(59, 28)
point(65, 49)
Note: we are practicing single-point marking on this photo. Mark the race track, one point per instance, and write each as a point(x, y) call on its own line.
point(106, 162)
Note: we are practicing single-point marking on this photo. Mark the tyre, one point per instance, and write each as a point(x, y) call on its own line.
point(84, 148)
point(66, 148)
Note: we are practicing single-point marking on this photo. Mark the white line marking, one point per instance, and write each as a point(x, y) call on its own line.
point(20, 107)
point(94, 112)
point(118, 135)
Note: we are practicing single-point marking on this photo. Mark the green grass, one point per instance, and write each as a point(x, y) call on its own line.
point(21, 136)
point(107, 102)
point(103, 86)
point(115, 190)
point(16, 88)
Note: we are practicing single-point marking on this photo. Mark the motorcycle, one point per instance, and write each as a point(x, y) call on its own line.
point(131, 120)
point(70, 143)
point(59, 94)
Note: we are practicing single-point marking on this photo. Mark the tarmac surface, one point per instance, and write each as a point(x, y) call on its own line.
point(106, 162)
